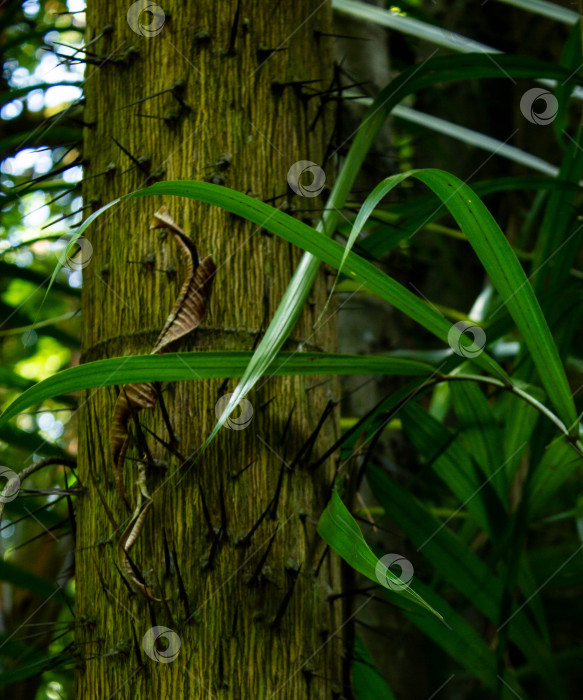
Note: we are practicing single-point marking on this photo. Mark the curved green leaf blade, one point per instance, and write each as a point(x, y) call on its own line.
point(339, 529)
point(203, 365)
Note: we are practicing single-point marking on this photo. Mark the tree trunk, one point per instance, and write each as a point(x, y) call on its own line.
point(205, 90)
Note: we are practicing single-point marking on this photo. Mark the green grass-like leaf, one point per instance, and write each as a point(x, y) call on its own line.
point(339, 529)
point(203, 365)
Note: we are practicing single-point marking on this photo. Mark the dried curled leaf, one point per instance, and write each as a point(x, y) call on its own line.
point(132, 398)
point(186, 315)
point(126, 542)
point(190, 306)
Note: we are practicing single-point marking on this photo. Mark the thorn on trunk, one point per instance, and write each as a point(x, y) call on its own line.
point(292, 569)
point(254, 579)
point(181, 589)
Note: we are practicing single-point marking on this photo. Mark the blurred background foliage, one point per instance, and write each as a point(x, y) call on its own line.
point(473, 128)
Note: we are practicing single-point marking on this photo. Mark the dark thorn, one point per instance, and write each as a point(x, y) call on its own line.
point(275, 500)
point(164, 601)
point(67, 216)
point(33, 181)
point(42, 534)
point(356, 591)
point(236, 475)
point(153, 621)
point(330, 451)
point(104, 463)
point(110, 168)
point(175, 87)
point(293, 570)
point(264, 53)
point(137, 647)
point(172, 435)
point(223, 163)
point(99, 575)
point(55, 199)
point(223, 510)
point(305, 452)
point(259, 568)
point(287, 424)
point(222, 388)
point(207, 517)
point(278, 86)
point(335, 81)
point(319, 384)
point(165, 444)
point(181, 589)
point(208, 562)
point(70, 509)
point(46, 506)
point(246, 539)
point(331, 91)
point(374, 524)
point(234, 28)
point(142, 162)
point(141, 441)
point(167, 562)
point(319, 566)
point(266, 404)
point(273, 199)
point(136, 161)
point(151, 116)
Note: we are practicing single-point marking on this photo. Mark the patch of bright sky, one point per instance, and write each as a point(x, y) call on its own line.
point(50, 69)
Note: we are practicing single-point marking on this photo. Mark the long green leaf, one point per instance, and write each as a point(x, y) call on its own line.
point(428, 73)
point(203, 365)
point(339, 529)
point(502, 265)
point(459, 565)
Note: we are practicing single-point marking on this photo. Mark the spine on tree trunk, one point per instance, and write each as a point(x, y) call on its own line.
point(243, 595)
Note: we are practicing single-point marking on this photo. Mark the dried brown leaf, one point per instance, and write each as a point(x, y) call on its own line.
point(186, 315)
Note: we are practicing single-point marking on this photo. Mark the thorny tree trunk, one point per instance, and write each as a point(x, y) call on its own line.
point(254, 620)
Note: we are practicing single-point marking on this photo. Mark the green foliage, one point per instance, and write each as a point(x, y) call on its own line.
point(486, 493)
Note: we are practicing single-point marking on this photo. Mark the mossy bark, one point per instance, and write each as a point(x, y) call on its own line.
point(229, 115)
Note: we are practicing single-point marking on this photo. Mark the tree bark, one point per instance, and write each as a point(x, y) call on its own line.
point(253, 619)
